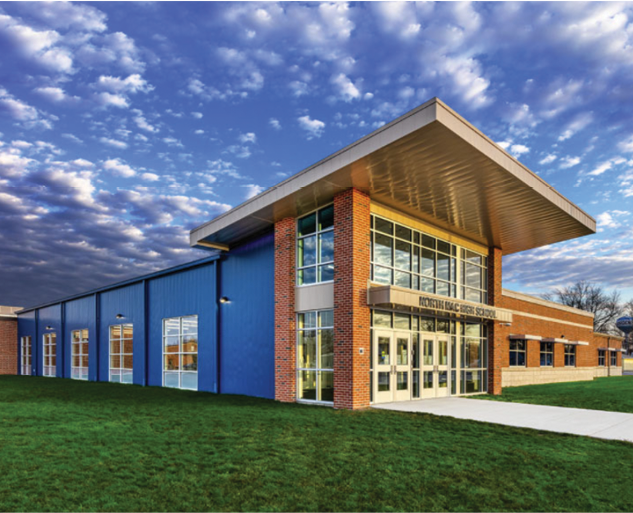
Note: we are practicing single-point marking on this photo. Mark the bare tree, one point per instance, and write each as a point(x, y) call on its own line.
point(605, 307)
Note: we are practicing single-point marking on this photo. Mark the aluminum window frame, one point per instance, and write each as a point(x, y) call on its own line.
point(121, 355)
point(613, 359)
point(79, 372)
point(602, 360)
point(49, 345)
point(517, 351)
point(544, 352)
point(26, 355)
point(317, 234)
point(180, 352)
point(570, 355)
point(318, 369)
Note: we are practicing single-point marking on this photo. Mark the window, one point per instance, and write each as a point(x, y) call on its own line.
point(474, 277)
point(50, 354)
point(25, 356)
point(614, 358)
point(315, 354)
point(517, 353)
point(180, 352)
point(547, 354)
point(315, 247)
point(474, 358)
point(79, 362)
point(601, 357)
point(121, 353)
point(570, 355)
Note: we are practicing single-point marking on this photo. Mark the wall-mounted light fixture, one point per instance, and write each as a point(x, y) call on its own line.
point(120, 316)
point(505, 324)
point(49, 328)
point(562, 336)
point(224, 299)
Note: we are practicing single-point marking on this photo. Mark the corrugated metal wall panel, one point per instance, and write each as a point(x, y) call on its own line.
point(127, 301)
point(184, 293)
point(247, 322)
point(81, 314)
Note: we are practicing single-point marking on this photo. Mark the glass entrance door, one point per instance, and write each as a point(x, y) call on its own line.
point(392, 367)
point(434, 366)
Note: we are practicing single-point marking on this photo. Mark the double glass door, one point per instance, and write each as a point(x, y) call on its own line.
point(392, 369)
point(409, 366)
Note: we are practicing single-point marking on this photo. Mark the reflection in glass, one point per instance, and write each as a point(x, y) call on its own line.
point(427, 379)
point(384, 344)
point(327, 349)
point(307, 387)
point(326, 380)
point(383, 247)
point(415, 386)
point(326, 247)
point(402, 354)
point(442, 377)
point(403, 255)
point(443, 352)
point(402, 381)
point(307, 349)
point(383, 382)
point(428, 352)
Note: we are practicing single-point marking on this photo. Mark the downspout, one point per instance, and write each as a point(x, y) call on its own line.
point(216, 295)
point(62, 335)
point(97, 330)
point(34, 346)
point(146, 333)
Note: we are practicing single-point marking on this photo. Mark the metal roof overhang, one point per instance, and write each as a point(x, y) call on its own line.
point(431, 164)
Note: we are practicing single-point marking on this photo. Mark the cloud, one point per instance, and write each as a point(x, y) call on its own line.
point(602, 168)
point(117, 167)
point(567, 162)
point(605, 220)
point(130, 85)
point(113, 142)
point(197, 115)
point(274, 123)
point(111, 100)
point(313, 127)
point(345, 88)
point(249, 137)
point(626, 145)
point(173, 142)
point(150, 177)
point(142, 123)
point(72, 138)
point(548, 159)
point(55, 94)
point(15, 108)
point(579, 123)
point(253, 190)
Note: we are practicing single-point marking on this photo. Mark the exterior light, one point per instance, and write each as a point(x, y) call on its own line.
point(224, 299)
point(49, 328)
point(120, 316)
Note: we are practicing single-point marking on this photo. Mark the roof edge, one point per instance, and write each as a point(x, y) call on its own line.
point(544, 302)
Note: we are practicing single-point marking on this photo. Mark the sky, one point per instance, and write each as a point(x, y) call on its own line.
point(125, 125)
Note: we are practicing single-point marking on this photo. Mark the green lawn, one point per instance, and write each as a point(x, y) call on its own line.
point(609, 394)
point(67, 445)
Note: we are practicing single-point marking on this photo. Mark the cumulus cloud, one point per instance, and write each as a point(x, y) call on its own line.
point(567, 162)
point(548, 159)
point(249, 137)
point(346, 90)
point(253, 190)
point(130, 85)
point(313, 127)
point(274, 123)
point(113, 143)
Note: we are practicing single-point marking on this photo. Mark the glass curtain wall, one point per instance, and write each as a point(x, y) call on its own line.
point(315, 356)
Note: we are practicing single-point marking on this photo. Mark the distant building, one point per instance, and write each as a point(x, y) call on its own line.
point(372, 276)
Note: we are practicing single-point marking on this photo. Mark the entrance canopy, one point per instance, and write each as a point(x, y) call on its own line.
point(431, 164)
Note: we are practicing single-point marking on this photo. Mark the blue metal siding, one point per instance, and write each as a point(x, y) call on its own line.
point(127, 301)
point(247, 322)
point(49, 316)
point(26, 328)
point(184, 293)
point(81, 314)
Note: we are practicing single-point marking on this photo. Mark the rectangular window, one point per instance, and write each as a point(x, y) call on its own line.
point(121, 353)
point(517, 353)
point(315, 356)
point(79, 353)
point(180, 352)
point(315, 247)
point(601, 357)
point(547, 354)
point(50, 354)
point(614, 358)
point(473, 358)
point(570, 355)
point(474, 279)
point(25, 357)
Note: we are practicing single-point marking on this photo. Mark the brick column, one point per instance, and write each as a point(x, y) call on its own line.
point(533, 357)
point(495, 335)
point(285, 335)
point(351, 313)
point(8, 345)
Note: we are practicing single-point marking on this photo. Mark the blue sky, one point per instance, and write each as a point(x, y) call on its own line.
point(124, 125)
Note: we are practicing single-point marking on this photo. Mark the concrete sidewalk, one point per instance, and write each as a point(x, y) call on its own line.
point(598, 424)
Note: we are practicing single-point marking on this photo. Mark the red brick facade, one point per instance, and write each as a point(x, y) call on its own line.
point(285, 335)
point(8, 345)
point(351, 314)
point(495, 334)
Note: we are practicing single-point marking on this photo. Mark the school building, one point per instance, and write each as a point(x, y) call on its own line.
point(372, 276)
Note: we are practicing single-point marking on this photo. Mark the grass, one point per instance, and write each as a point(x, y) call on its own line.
point(84, 446)
point(608, 394)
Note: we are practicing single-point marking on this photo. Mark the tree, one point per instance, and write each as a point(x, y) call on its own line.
point(605, 307)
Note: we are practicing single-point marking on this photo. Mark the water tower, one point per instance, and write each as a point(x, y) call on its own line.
point(625, 324)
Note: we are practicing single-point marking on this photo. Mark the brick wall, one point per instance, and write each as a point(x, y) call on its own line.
point(285, 336)
point(351, 313)
point(496, 342)
point(8, 345)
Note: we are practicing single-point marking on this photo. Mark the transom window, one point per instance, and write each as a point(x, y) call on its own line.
point(79, 353)
point(547, 354)
point(614, 359)
point(570, 355)
point(601, 357)
point(50, 354)
point(315, 247)
point(517, 353)
point(315, 356)
point(121, 353)
point(180, 352)
point(25, 356)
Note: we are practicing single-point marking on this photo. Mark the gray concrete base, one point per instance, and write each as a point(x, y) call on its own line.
point(598, 424)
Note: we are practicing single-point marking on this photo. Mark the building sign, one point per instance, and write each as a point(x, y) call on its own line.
point(391, 295)
point(447, 305)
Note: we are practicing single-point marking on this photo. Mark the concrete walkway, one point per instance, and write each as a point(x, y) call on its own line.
point(598, 424)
